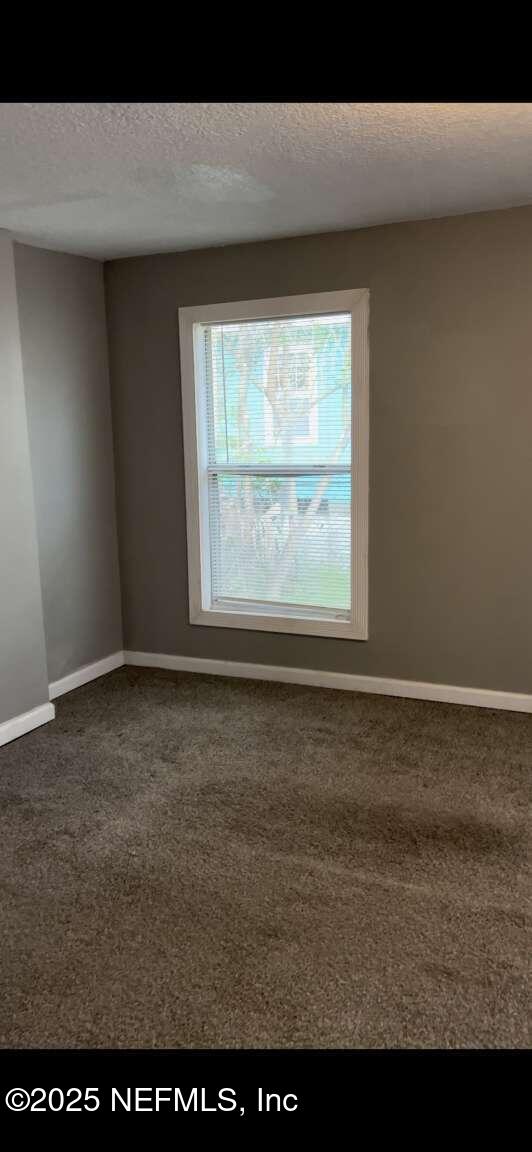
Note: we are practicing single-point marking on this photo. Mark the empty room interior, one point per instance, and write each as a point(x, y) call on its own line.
point(265, 575)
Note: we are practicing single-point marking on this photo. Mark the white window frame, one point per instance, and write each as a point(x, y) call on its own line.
point(281, 618)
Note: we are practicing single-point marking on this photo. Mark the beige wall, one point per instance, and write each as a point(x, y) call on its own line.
point(451, 443)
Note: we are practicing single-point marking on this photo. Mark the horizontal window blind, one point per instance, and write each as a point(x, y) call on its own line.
point(278, 408)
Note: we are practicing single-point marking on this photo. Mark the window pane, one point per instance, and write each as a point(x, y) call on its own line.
point(282, 539)
point(280, 390)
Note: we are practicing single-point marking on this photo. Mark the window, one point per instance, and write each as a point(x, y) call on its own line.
point(275, 414)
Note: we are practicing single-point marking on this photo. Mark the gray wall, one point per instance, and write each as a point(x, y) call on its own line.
point(451, 443)
point(23, 678)
point(64, 351)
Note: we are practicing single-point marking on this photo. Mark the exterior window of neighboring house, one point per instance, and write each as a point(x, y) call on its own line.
point(296, 376)
point(275, 414)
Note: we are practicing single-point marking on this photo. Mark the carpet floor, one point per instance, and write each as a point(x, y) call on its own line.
point(190, 861)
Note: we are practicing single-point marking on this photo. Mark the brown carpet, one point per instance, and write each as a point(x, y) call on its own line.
point(200, 862)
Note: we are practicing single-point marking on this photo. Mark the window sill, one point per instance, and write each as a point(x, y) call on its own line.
point(290, 623)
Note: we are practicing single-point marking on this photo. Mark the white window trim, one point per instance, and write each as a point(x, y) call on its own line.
point(356, 302)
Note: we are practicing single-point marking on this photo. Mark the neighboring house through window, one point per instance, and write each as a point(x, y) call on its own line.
point(275, 410)
point(296, 375)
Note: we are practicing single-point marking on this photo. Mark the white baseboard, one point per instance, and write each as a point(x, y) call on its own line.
point(26, 722)
point(87, 672)
point(416, 689)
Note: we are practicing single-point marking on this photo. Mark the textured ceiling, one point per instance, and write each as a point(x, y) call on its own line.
point(109, 180)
